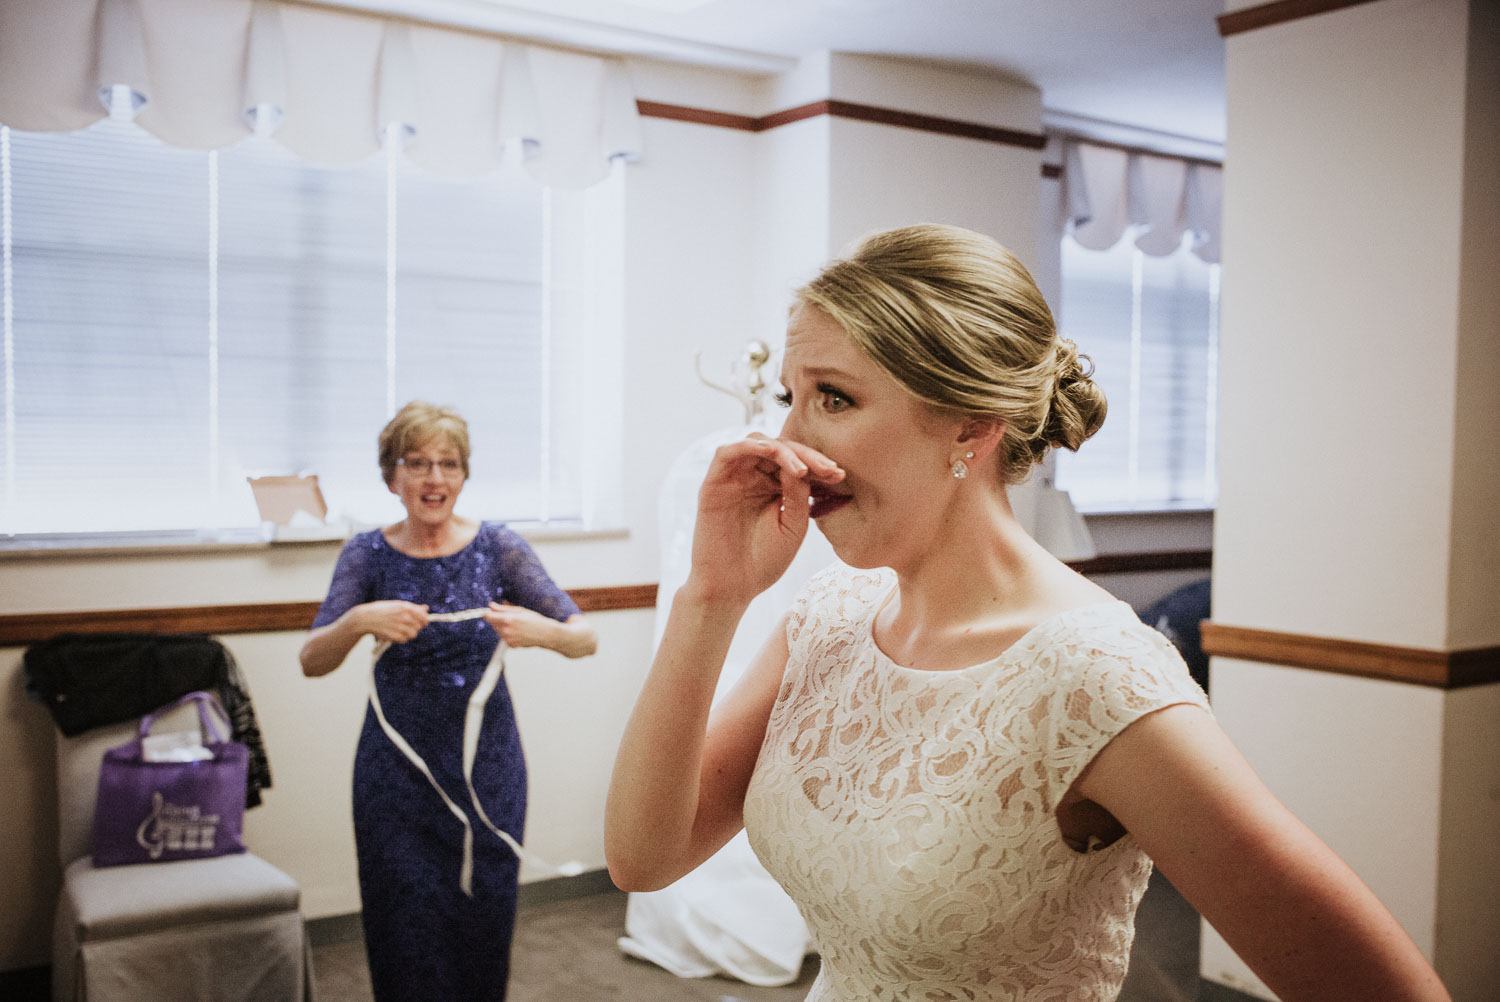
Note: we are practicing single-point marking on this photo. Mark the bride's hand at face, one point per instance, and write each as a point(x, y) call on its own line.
point(752, 515)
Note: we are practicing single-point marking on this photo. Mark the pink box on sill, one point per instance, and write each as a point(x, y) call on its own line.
point(280, 498)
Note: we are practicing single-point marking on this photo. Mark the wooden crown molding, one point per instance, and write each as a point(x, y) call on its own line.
point(697, 116)
point(1414, 665)
point(1266, 14)
point(844, 109)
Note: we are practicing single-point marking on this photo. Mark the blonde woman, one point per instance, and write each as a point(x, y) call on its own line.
point(438, 892)
point(958, 756)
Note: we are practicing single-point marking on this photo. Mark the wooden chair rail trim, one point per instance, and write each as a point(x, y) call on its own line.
point(1266, 14)
point(259, 617)
point(641, 596)
point(844, 109)
point(1414, 665)
point(1137, 563)
point(21, 629)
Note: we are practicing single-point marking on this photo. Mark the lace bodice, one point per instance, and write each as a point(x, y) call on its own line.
point(910, 813)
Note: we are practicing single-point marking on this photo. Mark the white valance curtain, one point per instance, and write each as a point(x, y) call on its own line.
point(1109, 190)
point(325, 84)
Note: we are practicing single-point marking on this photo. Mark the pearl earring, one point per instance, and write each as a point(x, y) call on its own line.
point(961, 468)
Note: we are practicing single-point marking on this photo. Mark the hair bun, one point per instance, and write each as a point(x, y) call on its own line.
point(1078, 403)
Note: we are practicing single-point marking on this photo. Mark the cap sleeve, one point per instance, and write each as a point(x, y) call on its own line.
point(526, 582)
point(1109, 677)
point(797, 615)
point(353, 580)
point(833, 598)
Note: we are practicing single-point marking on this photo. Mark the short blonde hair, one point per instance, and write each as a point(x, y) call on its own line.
point(416, 424)
point(958, 322)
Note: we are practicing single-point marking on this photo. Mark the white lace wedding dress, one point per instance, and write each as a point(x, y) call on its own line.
point(909, 813)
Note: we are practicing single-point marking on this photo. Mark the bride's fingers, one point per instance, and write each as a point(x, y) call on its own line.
point(820, 466)
point(781, 467)
point(774, 450)
point(804, 460)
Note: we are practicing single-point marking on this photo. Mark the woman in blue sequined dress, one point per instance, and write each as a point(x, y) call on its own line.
point(438, 903)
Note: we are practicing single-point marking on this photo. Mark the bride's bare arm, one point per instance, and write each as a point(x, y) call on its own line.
point(1295, 912)
point(678, 789)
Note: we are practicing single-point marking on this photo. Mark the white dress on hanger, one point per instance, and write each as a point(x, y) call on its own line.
point(728, 916)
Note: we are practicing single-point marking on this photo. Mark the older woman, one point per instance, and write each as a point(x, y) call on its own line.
point(439, 773)
point(958, 756)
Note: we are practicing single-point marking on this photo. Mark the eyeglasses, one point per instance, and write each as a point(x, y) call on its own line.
point(450, 468)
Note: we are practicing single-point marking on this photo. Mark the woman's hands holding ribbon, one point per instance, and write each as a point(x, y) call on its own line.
point(521, 627)
point(391, 621)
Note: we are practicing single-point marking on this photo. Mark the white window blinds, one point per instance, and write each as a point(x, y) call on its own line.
point(1140, 296)
point(181, 319)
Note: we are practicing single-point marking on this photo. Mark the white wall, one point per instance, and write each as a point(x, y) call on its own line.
point(792, 196)
point(1340, 250)
point(988, 187)
point(1359, 435)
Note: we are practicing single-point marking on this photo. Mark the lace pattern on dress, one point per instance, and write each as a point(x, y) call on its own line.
point(910, 813)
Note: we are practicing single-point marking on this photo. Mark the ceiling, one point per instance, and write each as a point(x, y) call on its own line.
point(1155, 65)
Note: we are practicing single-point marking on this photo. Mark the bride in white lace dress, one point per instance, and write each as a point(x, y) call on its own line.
point(958, 756)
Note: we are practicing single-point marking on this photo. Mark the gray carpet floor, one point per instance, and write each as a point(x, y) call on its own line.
point(565, 952)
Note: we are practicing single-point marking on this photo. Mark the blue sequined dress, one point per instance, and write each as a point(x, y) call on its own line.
point(425, 938)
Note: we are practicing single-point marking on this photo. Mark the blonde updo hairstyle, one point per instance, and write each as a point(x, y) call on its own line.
point(414, 426)
point(958, 322)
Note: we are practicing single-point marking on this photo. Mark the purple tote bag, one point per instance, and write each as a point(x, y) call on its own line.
point(157, 811)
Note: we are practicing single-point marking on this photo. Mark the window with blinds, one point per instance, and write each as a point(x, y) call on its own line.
point(1150, 324)
point(177, 320)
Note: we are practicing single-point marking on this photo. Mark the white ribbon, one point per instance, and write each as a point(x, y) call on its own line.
point(473, 720)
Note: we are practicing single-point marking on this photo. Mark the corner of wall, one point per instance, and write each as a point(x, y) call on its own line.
point(1467, 952)
point(809, 82)
point(1474, 547)
point(925, 88)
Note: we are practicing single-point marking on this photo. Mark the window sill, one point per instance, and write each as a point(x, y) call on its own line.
point(243, 541)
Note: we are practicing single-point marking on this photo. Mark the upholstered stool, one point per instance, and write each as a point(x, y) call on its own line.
point(226, 929)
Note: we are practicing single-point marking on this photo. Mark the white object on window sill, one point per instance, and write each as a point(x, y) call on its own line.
point(303, 527)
